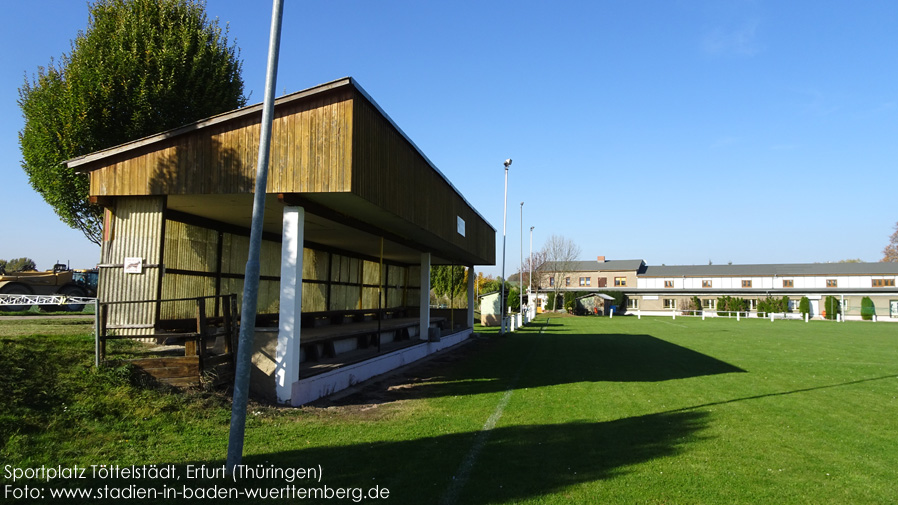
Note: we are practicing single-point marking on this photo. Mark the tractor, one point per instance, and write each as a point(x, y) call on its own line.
point(59, 281)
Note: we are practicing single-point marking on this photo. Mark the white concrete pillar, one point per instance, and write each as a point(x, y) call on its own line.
point(425, 296)
point(471, 299)
point(737, 317)
point(287, 354)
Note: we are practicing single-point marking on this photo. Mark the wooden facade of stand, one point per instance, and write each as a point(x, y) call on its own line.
point(330, 139)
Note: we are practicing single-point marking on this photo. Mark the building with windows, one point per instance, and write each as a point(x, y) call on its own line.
point(673, 288)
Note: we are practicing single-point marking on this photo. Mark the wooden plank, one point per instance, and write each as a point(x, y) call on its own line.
point(217, 360)
point(184, 382)
point(192, 372)
point(165, 361)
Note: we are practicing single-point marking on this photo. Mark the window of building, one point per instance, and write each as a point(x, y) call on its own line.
point(585, 281)
point(709, 303)
point(832, 283)
point(706, 284)
point(632, 303)
point(620, 281)
point(670, 303)
point(668, 284)
point(567, 281)
point(746, 284)
point(881, 283)
point(788, 283)
point(752, 303)
point(551, 282)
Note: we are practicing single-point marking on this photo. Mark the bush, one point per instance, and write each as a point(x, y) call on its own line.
point(696, 303)
point(550, 301)
point(868, 309)
point(514, 300)
point(571, 305)
point(832, 307)
point(804, 306)
point(730, 304)
point(773, 305)
point(620, 299)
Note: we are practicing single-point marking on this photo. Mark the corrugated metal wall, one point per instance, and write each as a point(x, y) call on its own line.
point(315, 265)
point(134, 230)
point(193, 268)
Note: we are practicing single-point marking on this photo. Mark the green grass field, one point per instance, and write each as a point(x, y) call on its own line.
point(567, 410)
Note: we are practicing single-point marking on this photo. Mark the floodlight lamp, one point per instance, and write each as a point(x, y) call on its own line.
point(507, 163)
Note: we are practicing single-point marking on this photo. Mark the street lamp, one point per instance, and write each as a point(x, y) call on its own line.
point(504, 223)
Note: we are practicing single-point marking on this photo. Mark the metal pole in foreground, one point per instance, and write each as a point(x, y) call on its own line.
point(97, 332)
point(251, 281)
point(502, 314)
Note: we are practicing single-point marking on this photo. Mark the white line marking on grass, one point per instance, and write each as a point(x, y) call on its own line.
point(464, 470)
point(672, 324)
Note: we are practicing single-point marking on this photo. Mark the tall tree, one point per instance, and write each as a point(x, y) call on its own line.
point(890, 253)
point(536, 264)
point(19, 265)
point(141, 67)
point(560, 255)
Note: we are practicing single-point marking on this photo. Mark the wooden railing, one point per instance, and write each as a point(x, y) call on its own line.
point(194, 334)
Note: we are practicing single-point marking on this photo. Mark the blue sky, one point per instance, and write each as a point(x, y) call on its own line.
point(678, 132)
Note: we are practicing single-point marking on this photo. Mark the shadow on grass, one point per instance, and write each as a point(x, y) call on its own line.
point(515, 463)
point(787, 393)
point(495, 364)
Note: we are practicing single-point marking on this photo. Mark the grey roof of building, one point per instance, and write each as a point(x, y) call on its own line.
point(595, 266)
point(598, 295)
point(779, 270)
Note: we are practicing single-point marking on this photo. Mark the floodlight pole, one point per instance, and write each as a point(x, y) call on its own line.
point(504, 225)
point(530, 277)
point(243, 360)
point(521, 278)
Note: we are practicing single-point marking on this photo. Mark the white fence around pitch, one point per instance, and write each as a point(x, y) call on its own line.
point(771, 316)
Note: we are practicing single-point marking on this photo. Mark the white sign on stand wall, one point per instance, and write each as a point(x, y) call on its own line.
point(133, 265)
